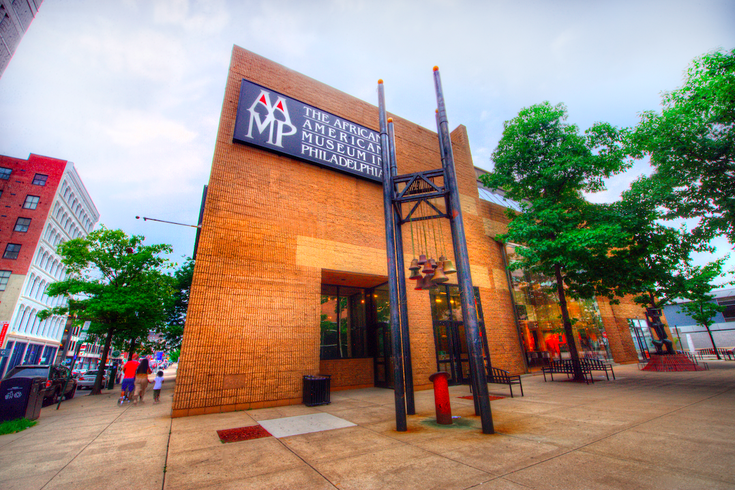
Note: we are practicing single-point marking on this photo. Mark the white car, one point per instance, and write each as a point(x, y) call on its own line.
point(86, 379)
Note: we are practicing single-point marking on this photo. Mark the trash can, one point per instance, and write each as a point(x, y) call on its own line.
point(112, 373)
point(316, 390)
point(21, 398)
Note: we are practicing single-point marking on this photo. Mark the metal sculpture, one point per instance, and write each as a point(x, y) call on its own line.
point(417, 192)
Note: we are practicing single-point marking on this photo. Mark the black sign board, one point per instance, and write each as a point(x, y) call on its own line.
point(279, 123)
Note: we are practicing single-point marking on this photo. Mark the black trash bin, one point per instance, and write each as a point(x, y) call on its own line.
point(112, 372)
point(316, 390)
point(21, 398)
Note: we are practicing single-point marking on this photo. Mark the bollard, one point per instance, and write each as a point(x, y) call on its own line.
point(441, 398)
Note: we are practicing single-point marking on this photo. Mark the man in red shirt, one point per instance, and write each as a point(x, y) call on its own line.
point(128, 382)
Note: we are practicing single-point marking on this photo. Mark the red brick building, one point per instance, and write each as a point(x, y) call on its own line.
point(290, 278)
point(42, 203)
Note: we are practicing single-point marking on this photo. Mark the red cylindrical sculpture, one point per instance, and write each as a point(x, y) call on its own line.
point(441, 398)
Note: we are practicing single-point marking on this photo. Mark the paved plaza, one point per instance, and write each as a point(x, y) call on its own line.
point(642, 430)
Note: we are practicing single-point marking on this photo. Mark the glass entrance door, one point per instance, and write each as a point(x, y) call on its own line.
point(449, 335)
point(379, 336)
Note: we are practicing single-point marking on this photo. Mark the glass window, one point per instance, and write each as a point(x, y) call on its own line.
point(11, 251)
point(22, 224)
point(4, 278)
point(31, 202)
point(343, 323)
point(5, 173)
point(729, 304)
point(40, 179)
point(539, 318)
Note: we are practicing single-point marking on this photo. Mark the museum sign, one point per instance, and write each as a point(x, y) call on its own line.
point(279, 123)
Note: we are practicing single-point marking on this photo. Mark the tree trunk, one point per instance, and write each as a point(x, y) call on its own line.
point(568, 330)
point(712, 339)
point(133, 346)
point(103, 362)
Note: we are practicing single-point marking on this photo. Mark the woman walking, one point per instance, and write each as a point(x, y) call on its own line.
point(141, 381)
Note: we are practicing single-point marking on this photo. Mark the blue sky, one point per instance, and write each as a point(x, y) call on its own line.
point(131, 90)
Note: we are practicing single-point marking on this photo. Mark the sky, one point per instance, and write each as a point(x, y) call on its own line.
point(131, 90)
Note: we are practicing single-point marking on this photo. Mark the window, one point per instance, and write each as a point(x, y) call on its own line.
point(5, 173)
point(40, 179)
point(11, 251)
point(4, 278)
point(343, 323)
point(31, 202)
point(729, 304)
point(22, 224)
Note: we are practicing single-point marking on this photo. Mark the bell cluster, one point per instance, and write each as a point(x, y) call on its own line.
point(428, 273)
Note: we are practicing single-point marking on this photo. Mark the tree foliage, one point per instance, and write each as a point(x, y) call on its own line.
point(172, 331)
point(698, 286)
point(691, 143)
point(545, 164)
point(116, 283)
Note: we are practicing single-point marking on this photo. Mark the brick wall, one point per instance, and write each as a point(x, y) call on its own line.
point(348, 373)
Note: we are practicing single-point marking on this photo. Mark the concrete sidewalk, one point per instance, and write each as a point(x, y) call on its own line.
point(644, 430)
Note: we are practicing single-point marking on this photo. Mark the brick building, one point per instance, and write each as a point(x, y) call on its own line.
point(43, 203)
point(290, 277)
point(15, 19)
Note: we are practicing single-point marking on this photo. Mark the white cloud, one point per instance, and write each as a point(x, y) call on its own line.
point(135, 128)
point(203, 16)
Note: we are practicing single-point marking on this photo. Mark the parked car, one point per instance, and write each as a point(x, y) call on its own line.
point(86, 379)
point(56, 378)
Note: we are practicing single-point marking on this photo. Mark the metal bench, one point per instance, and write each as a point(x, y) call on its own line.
point(598, 365)
point(566, 366)
point(500, 376)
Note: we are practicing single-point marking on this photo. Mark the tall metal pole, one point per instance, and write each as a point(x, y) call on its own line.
point(395, 332)
point(461, 256)
point(401, 273)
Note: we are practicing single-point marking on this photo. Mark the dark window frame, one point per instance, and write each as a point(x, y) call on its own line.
point(5, 173)
point(29, 203)
point(40, 179)
point(12, 254)
point(22, 227)
point(4, 279)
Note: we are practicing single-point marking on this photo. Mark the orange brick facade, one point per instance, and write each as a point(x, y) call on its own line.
point(272, 225)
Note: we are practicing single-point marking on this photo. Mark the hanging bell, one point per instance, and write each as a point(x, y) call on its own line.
point(439, 276)
point(428, 269)
point(422, 259)
point(433, 263)
point(426, 283)
point(420, 283)
point(415, 275)
point(449, 267)
point(414, 265)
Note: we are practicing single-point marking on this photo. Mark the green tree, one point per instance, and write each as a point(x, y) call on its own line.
point(702, 306)
point(691, 144)
point(116, 283)
point(544, 164)
point(172, 332)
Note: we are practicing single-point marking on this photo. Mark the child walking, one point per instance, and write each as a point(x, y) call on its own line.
point(157, 384)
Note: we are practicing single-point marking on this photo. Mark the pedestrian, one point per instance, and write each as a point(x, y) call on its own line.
point(157, 385)
point(141, 380)
point(128, 382)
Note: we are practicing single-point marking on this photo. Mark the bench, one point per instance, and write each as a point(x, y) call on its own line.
point(598, 365)
point(566, 366)
point(500, 376)
point(503, 377)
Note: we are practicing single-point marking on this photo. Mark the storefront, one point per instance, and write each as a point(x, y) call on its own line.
point(539, 319)
point(291, 274)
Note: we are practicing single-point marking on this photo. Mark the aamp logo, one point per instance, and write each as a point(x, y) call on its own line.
point(271, 117)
